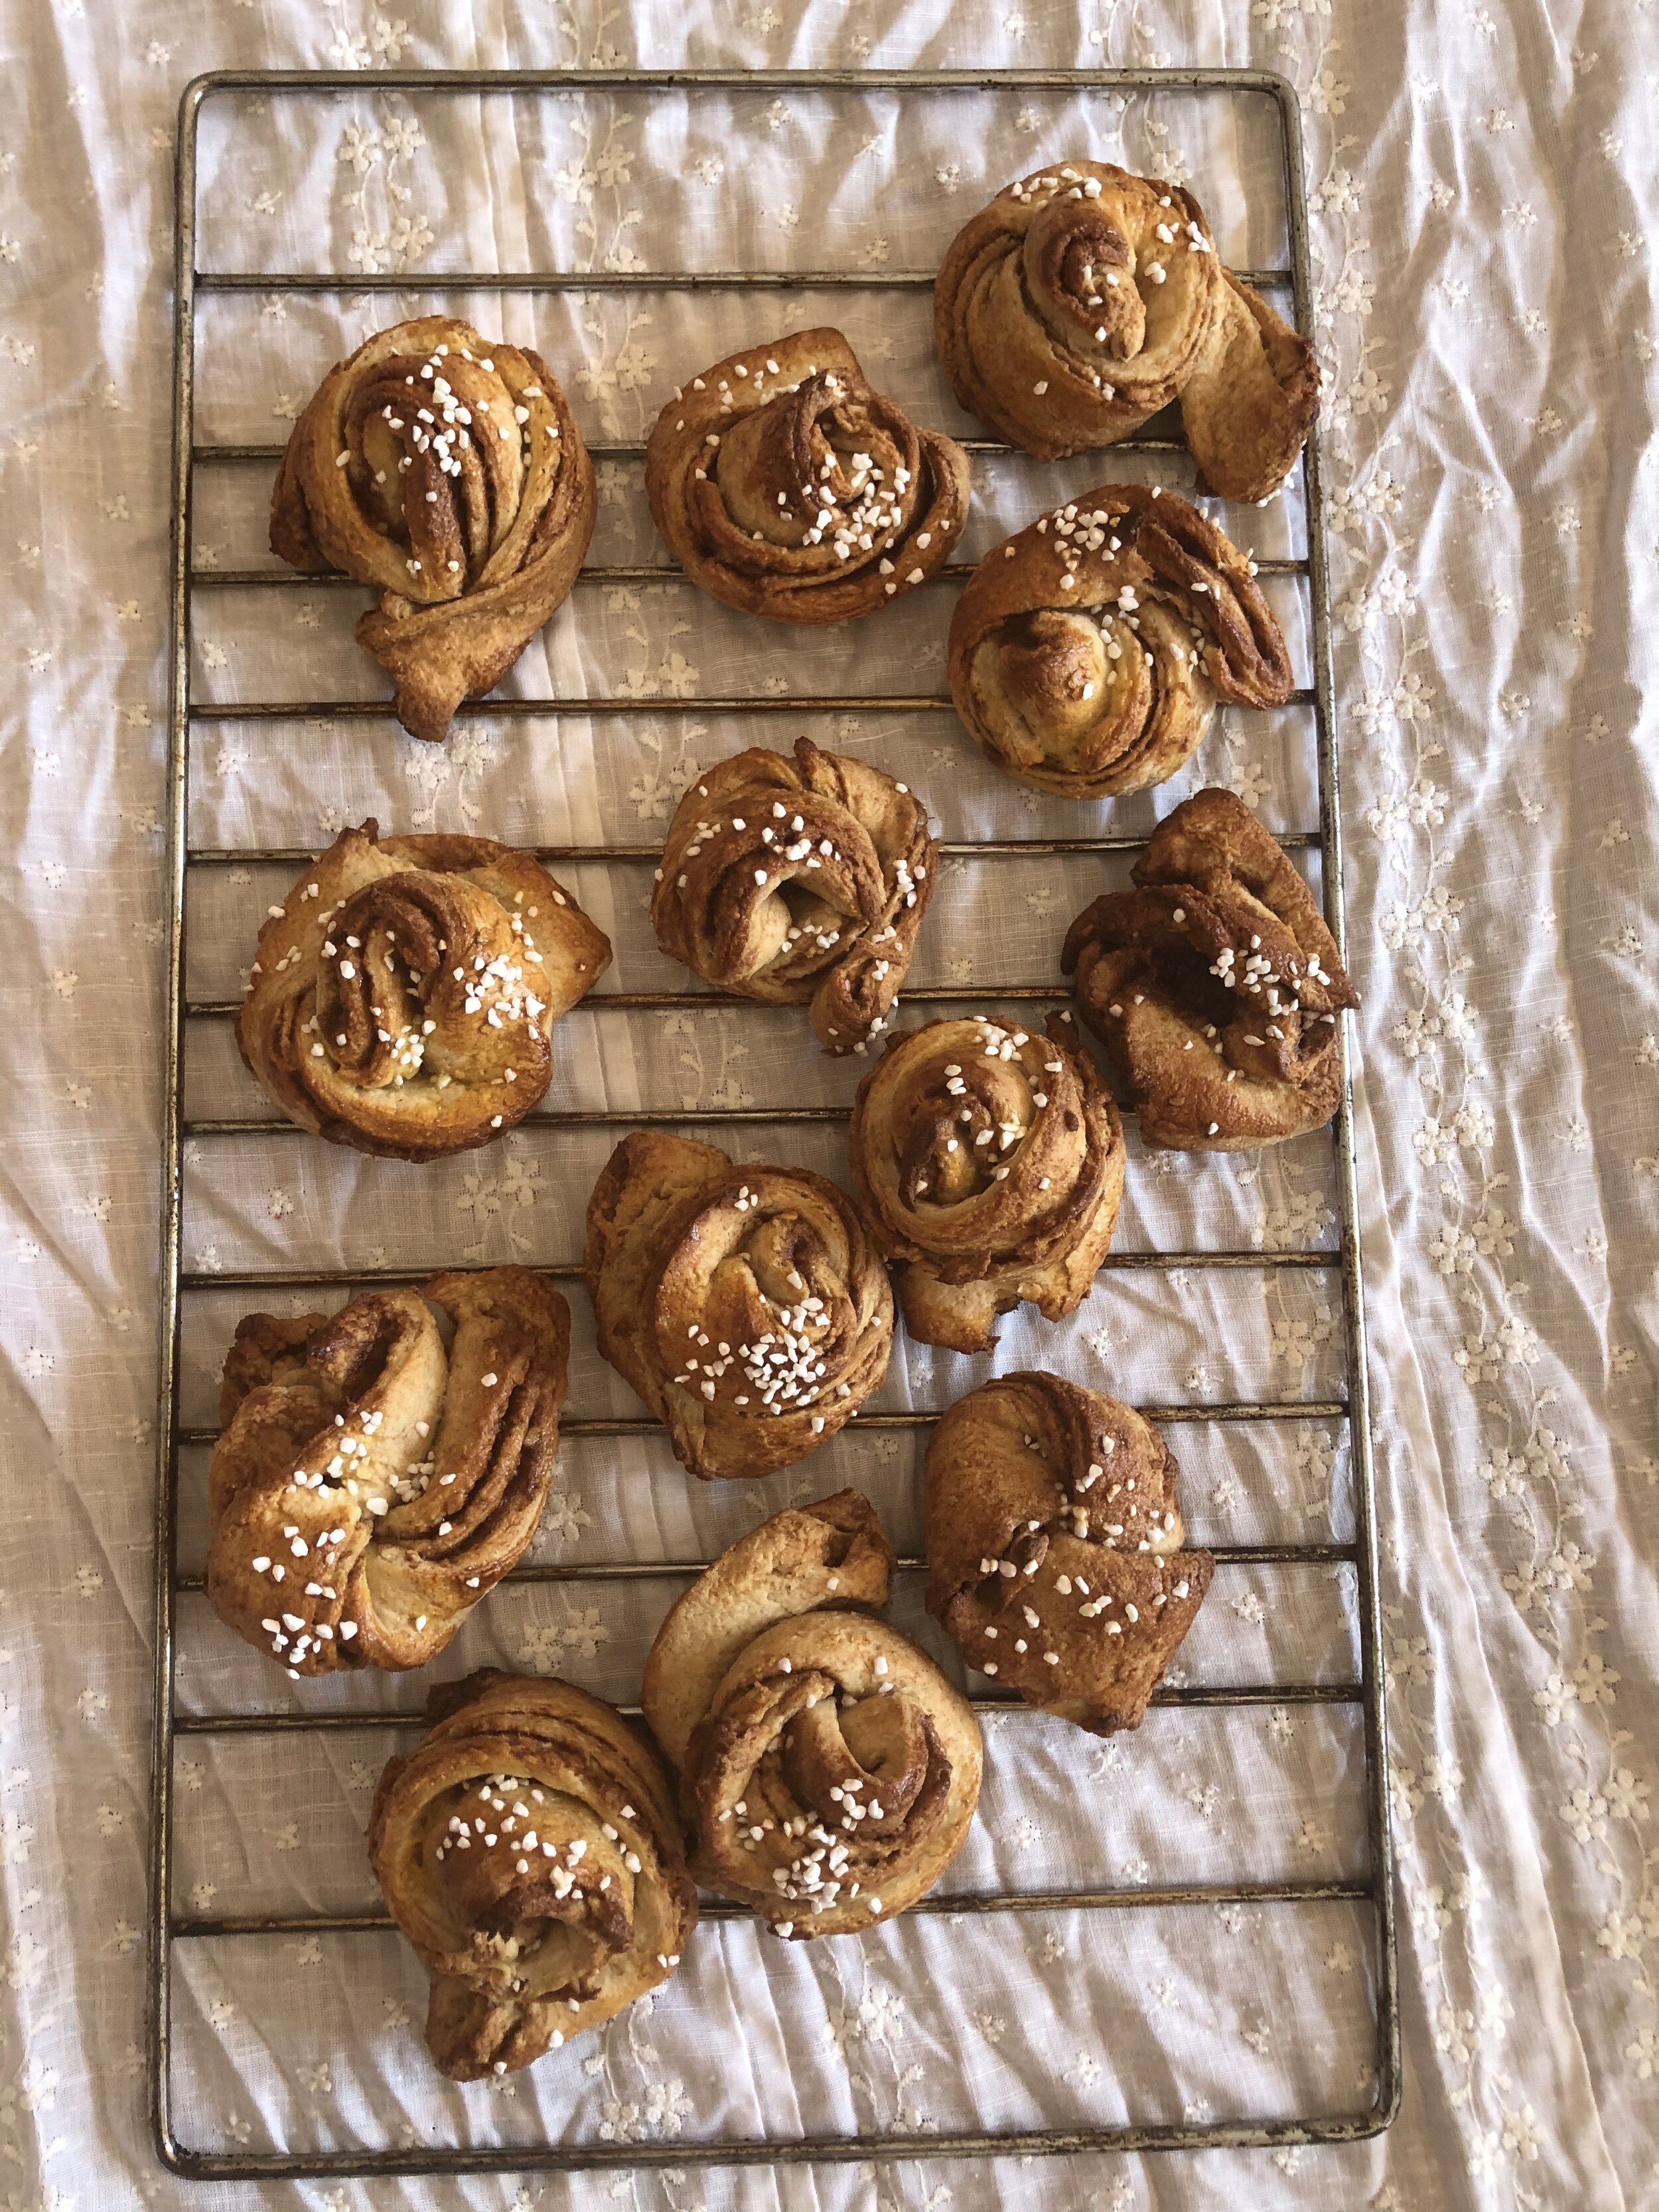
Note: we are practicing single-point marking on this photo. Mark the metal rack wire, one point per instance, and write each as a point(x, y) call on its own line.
point(168, 1925)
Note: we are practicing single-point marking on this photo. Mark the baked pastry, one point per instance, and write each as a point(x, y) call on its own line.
point(989, 1164)
point(1082, 299)
point(528, 1848)
point(405, 996)
point(829, 1772)
point(746, 1306)
point(1215, 986)
point(785, 487)
point(1054, 1547)
point(449, 473)
point(1088, 653)
point(368, 1488)
point(798, 883)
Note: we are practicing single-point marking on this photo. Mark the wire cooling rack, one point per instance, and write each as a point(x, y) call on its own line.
point(168, 1924)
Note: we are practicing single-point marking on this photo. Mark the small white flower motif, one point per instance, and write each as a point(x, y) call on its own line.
point(1475, 1126)
point(1626, 1796)
point(1085, 2069)
point(991, 2025)
point(950, 177)
point(318, 2079)
point(1453, 288)
point(786, 216)
point(1564, 520)
point(1502, 1474)
point(1496, 120)
point(1453, 1251)
point(1328, 94)
point(1644, 2054)
point(1340, 194)
point(390, 37)
point(1621, 1937)
point(1480, 2152)
point(1584, 1814)
point(1249, 781)
point(1368, 394)
point(278, 1204)
point(1442, 1777)
point(1404, 1793)
point(1592, 1681)
point(1408, 1663)
point(348, 51)
point(1430, 1914)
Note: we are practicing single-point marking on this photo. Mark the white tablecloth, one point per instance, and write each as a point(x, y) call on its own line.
point(1484, 195)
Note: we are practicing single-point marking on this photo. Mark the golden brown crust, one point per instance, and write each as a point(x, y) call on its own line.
point(989, 1163)
point(1087, 652)
point(1054, 1552)
point(834, 1553)
point(368, 1489)
point(529, 1849)
point(829, 1772)
point(746, 1306)
point(1084, 299)
point(785, 487)
point(1215, 985)
point(465, 494)
point(405, 996)
point(797, 881)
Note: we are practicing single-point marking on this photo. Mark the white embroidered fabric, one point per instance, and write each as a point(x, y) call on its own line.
point(1483, 199)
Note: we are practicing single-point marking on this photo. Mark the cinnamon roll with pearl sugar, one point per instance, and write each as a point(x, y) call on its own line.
point(1088, 653)
point(989, 1163)
point(745, 1304)
point(829, 1771)
point(1084, 299)
point(528, 1849)
point(1215, 985)
point(1056, 1555)
point(798, 882)
point(785, 486)
point(368, 1488)
point(449, 474)
point(405, 996)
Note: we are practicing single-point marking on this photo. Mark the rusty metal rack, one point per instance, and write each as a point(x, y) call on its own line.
point(170, 1925)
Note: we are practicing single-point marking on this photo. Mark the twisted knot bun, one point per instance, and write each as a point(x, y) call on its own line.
point(1215, 986)
point(368, 1489)
point(798, 882)
point(1084, 299)
point(989, 1163)
point(529, 1850)
point(1087, 652)
point(785, 487)
point(405, 996)
point(449, 474)
point(746, 1306)
point(829, 1772)
point(1054, 1547)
